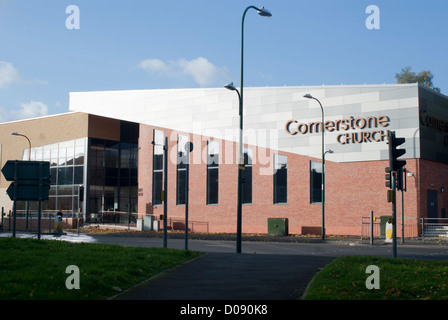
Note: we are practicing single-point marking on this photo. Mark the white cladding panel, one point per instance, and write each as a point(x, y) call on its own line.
point(357, 117)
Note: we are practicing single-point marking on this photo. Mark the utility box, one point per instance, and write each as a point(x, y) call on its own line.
point(278, 226)
point(148, 223)
point(139, 224)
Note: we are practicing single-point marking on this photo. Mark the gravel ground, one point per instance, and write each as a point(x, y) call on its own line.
point(124, 232)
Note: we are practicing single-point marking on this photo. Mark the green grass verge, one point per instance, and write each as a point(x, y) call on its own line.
point(400, 279)
point(36, 269)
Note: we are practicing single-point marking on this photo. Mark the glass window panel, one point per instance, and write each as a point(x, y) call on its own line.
point(158, 137)
point(65, 203)
point(157, 183)
point(70, 156)
point(212, 172)
point(212, 186)
point(280, 178)
point(52, 191)
point(316, 182)
point(79, 151)
point(213, 153)
point(111, 157)
point(65, 191)
point(62, 158)
point(26, 153)
point(181, 186)
point(79, 175)
point(54, 176)
point(157, 187)
point(247, 177)
point(158, 162)
point(65, 175)
point(54, 155)
point(47, 154)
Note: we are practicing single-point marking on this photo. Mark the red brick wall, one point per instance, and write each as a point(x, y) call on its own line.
point(352, 191)
point(433, 176)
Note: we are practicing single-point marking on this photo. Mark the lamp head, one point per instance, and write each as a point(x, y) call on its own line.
point(308, 96)
point(14, 133)
point(230, 86)
point(264, 12)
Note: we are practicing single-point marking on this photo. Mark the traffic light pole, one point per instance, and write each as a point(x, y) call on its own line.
point(165, 198)
point(395, 169)
point(394, 214)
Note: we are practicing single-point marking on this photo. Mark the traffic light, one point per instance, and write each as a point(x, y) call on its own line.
point(389, 178)
point(81, 193)
point(394, 153)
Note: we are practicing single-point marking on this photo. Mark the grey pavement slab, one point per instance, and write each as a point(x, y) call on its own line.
point(228, 276)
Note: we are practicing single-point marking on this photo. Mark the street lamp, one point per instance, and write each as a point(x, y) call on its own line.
point(323, 192)
point(29, 142)
point(309, 96)
point(264, 13)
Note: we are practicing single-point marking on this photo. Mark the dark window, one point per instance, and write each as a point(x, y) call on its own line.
point(280, 178)
point(212, 172)
point(65, 176)
point(182, 159)
point(315, 182)
point(79, 174)
point(157, 177)
point(247, 177)
point(112, 172)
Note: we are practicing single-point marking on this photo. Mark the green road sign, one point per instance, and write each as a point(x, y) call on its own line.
point(28, 191)
point(15, 170)
point(30, 180)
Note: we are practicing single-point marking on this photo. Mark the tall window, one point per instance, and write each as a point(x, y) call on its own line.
point(247, 175)
point(315, 182)
point(280, 178)
point(157, 171)
point(66, 169)
point(212, 172)
point(182, 158)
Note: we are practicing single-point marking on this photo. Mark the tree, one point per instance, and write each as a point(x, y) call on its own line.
point(424, 78)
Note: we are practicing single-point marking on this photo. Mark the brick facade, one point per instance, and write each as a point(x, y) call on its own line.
point(353, 189)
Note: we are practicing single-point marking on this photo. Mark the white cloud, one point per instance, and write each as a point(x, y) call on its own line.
point(153, 65)
point(8, 74)
point(31, 109)
point(200, 69)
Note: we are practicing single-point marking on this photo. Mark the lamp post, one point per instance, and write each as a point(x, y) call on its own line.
point(309, 96)
point(323, 192)
point(264, 13)
point(29, 142)
point(29, 159)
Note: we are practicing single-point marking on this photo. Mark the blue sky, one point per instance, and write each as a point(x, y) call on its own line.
point(146, 44)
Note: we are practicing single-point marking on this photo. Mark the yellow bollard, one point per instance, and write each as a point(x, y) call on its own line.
point(388, 232)
point(58, 223)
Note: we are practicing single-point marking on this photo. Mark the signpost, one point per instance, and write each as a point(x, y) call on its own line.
point(30, 181)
